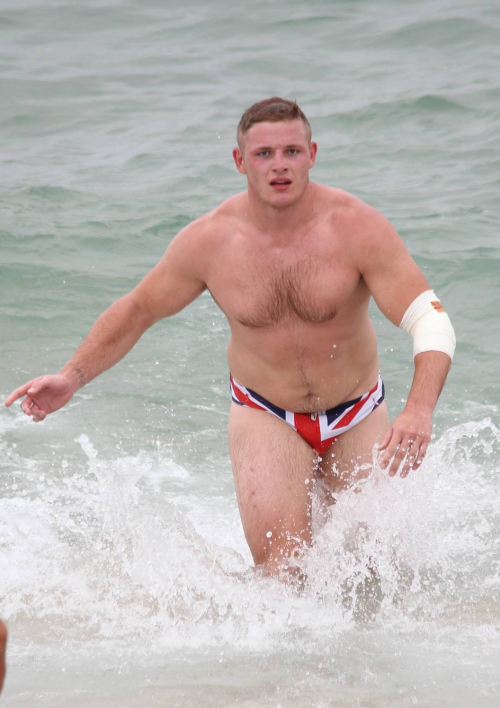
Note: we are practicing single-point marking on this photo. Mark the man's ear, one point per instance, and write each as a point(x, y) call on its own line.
point(238, 161)
point(313, 150)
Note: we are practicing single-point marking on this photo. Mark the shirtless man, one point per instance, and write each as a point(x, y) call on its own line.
point(292, 265)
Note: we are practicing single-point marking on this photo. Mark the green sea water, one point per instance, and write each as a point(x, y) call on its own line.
point(124, 575)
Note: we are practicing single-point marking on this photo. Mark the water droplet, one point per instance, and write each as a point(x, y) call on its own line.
point(269, 534)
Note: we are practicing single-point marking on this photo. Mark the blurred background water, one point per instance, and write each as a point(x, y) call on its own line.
point(124, 575)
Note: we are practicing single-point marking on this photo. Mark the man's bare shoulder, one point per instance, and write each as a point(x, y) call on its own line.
point(201, 243)
point(345, 206)
point(210, 228)
point(360, 223)
point(232, 207)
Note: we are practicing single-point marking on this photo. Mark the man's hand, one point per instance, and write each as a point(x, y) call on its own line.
point(44, 395)
point(406, 439)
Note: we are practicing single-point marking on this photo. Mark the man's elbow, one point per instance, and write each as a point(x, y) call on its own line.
point(137, 312)
point(429, 325)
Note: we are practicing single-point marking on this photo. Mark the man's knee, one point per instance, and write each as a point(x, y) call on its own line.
point(287, 568)
point(281, 552)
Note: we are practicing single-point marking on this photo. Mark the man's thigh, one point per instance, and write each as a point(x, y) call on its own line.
point(273, 470)
point(350, 457)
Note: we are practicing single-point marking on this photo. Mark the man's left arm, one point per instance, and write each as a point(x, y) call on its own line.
point(404, 296)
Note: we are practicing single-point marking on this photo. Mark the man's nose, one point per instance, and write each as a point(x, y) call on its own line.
point(279, 164)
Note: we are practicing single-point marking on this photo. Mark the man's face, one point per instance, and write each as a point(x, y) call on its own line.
point(276, 158)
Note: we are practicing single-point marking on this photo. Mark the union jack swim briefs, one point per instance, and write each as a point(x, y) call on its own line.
point(320, 429)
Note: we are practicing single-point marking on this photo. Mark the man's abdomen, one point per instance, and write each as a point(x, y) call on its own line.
point(304, 367)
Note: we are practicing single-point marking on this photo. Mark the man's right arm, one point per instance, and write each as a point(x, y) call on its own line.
point(168, 288)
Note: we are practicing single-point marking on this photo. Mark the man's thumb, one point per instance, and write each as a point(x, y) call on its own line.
point(35, 388)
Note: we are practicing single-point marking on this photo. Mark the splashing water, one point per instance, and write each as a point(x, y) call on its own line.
point(123, 558)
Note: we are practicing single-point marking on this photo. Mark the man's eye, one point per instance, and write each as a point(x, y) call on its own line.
point(264, 153)
point(293, 151)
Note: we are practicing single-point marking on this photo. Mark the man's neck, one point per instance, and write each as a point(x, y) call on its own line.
point(274, 222)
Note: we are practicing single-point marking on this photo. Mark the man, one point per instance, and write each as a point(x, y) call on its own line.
point(292, 265)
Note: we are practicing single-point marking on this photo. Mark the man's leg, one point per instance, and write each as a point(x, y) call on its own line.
point(3, 643)
point(349, 458)
point(273, 474)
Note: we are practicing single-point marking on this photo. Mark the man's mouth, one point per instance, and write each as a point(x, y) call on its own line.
point(281, 183)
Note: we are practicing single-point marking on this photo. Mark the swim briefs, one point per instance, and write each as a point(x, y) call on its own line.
point(319, 429)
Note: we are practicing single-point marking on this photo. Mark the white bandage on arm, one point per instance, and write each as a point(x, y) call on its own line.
point(429, 325)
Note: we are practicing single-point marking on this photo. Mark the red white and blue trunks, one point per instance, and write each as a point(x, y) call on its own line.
point(320, 429)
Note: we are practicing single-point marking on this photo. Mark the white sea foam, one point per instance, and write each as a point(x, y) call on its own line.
point(107, 554)
point(115, 544)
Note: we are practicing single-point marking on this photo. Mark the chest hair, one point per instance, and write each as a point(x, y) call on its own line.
point(288, 292)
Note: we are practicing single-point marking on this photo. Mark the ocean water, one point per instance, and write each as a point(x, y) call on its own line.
point(125, 579)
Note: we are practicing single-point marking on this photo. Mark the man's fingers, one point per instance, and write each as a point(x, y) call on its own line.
point(29, 406)
point(386, 440)
point(21, 391)
point(37, 413)
point(420, 456)
point(413, 451)
point(26, 405)
point(32, 409)
point(391, 450)
point(398, 457)
point(407, 448)
point(405, 443)
point(390, 445)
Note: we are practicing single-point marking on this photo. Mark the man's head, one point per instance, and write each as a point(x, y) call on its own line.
point(275, 151)
point(271, 110)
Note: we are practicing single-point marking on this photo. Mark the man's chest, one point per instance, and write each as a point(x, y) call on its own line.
point(262, 288)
